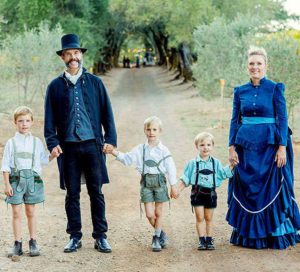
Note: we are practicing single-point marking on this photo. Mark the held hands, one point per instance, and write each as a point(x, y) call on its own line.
point(107, 148)
point(56, 151)
point(280, 156)
point(174, 192)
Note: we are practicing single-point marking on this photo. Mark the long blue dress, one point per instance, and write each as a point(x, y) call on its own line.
point(261, 204)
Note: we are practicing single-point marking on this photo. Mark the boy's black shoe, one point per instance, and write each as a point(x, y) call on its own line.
point(16, 250)
point(163, 239)
point(210, 243)
point(33, 249)
point(156, 247)
point(202, 243)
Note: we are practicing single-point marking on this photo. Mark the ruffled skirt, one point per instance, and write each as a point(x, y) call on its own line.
point(262, 207)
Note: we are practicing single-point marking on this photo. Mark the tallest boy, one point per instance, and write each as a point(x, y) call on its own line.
point(77, 111)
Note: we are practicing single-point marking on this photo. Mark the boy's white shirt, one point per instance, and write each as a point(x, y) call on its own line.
point(156, 153)
point(24, 143)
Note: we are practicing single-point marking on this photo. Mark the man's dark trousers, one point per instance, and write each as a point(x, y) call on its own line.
point(83, 157)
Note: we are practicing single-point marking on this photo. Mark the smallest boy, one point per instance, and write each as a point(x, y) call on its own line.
point(154, 162)
point(204, 173)
point(23, 157)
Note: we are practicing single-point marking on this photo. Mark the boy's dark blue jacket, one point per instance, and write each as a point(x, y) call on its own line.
point(98, 107)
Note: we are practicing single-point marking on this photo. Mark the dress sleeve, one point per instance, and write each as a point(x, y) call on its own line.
point(281, 113)
point(235, 117)
point(49, 123)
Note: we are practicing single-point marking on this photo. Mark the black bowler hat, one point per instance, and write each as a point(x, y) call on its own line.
point(70, 41)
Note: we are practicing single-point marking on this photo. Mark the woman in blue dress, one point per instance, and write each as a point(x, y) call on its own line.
point(262, 207)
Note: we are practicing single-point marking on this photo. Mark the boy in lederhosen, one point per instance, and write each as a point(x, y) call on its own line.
point(22, 162)
point(154, 162)
point(204, 173)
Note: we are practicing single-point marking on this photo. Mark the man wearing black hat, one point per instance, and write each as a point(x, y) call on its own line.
point(77, 112)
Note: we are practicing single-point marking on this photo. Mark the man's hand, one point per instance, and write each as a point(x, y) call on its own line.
point(56, 151)
point(108, 148)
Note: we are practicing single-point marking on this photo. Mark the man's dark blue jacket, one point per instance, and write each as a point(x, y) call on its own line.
point(98, 107)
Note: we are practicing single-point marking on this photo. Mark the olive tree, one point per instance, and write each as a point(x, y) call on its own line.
point(221, 48)
point(29, 62)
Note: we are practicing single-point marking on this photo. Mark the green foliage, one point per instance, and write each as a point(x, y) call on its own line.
point(24, 13)
point(29, 60)
point(221, 49)
point(266, 9)
point(31, 13)
point(284, 64)
point(192, 14)
point(87, 18)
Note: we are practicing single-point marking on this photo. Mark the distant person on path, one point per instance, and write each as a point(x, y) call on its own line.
point(262, 207)
point(23, 157)
point(205, 173)
point(77, 110)
point(124, 62)
point(154, 162)
point(137, 61)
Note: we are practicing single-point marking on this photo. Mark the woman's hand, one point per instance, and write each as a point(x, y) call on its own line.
point(280, 156)
point(233, 156)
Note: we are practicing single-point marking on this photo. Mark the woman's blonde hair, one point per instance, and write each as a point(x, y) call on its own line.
point(22, 110)
point(260, 51)
point(202, 136)
point(152, 120)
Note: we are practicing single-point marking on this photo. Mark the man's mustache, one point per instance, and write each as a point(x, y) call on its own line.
point(77, 60)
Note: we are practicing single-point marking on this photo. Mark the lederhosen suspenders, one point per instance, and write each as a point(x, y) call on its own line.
point(23, 155)
point(152, 163)
point(197, 174)
point(24, 176)
point(197, 187)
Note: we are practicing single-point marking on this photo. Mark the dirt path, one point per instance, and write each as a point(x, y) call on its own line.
point(137, 94)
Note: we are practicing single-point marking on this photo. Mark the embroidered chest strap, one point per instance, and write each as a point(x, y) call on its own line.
point(23, 155)
point(152, 163)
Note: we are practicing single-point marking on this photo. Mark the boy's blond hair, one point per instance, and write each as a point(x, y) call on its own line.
point(22, 110)
point(202, 136)
point(152, 120)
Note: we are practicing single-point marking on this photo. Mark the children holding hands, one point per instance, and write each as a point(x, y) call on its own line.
point(205, 173)
point(154, 162)
point(25, 154)
point(23, 157)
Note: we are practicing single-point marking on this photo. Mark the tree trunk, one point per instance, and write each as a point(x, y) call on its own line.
point(186, 61)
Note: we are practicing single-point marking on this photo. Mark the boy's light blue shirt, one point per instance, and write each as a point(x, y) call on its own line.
point(221, 173)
